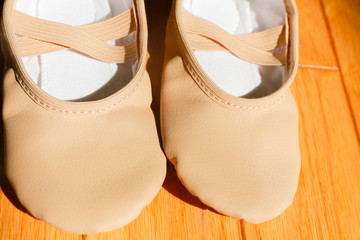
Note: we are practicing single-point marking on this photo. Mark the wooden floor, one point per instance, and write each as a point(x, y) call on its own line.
point(327, 203)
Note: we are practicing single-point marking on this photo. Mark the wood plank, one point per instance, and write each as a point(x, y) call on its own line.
point(314, 40)
point(15, 224)
point(344, 23)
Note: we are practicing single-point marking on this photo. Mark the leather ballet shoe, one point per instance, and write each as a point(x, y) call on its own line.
point(81, 146)
point(229, 122)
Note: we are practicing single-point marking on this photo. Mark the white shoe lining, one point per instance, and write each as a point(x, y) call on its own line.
point(69, 75)
point(232, 74)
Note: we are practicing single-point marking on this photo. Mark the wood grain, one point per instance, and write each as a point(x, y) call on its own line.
point(344, 26)
point(327, 203)
point(315, 43)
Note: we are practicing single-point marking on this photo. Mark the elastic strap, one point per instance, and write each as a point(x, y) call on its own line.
point(37, 36)
point(263, 48)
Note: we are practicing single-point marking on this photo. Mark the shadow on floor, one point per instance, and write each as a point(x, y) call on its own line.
point(173, 185)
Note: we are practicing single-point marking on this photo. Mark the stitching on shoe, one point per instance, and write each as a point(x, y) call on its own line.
point(221, 101)
point(52, 108)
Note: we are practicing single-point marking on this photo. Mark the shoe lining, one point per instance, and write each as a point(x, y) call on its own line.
point(69, 75)
point(232, 74)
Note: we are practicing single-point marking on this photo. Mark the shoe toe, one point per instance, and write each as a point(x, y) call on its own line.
point(249, 188)
point(85, 176)
point(244, 164)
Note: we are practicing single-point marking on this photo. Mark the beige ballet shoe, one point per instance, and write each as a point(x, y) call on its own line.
point(92, 163)
point(238, 154)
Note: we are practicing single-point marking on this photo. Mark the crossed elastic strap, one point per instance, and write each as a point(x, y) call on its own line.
point(36, 36)
point(263, 48)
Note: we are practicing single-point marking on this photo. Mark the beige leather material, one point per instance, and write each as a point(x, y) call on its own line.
point(83, 167)
point(239, 156)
